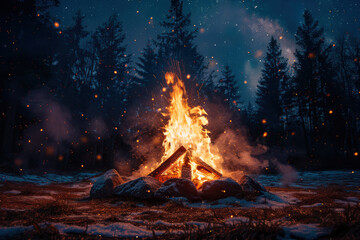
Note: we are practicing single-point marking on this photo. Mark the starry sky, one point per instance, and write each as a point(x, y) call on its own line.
point(233, 32)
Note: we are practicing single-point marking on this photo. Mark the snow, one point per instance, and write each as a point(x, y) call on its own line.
point(306, 179)
point(304, 231)
point(46, 179)
point(15, 192)
point(234, 220)
point(264, 201)
point(314, 179)
point(125, 230)
point(8, 232)
point(312, 205)
point(345, 202)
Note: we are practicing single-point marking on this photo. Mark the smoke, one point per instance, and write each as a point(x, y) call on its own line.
point(55, 119)
point(237, 154)
point(50, 134)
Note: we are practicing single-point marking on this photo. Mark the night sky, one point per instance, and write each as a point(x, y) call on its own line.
point(230, 32)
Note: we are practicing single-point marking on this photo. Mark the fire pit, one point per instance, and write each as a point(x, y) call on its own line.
point(190, 166)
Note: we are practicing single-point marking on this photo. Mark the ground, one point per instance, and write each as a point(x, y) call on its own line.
point(54, 206)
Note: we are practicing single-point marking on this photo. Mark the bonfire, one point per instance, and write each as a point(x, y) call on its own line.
point(188, 150)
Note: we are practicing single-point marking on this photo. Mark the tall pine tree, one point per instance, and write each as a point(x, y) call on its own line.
point(268, 95)
point(112, 70)
point(313, 81)
point(176, 43)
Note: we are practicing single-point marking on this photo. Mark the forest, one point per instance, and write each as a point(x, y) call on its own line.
point(71, 99)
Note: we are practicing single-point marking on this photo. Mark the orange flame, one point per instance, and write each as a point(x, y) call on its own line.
point(186, 128)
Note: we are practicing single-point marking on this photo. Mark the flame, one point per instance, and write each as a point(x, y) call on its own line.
point(186, 128)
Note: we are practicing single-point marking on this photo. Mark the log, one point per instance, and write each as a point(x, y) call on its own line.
point(167, 163)
point(207, 167)
point(186, 168)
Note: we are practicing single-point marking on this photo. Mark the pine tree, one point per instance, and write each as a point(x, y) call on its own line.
point(177, 44)
point(112, 70)
point(228, 88)
point(268, 95)
point(71, 66)
point(147, 67)
point(312, 82)
point(28, 41)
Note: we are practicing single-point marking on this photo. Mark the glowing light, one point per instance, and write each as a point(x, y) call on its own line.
point(41, 129)
point(263, 121)
point(56, 24)
point(95, 96)
point(115, 72)
point(164, 89)
point(331, 112)
point(265, 134)
point(186, 128)
point(188, 76)
point(245, 82)
point(98, 157)
point(202, 30)
point(60, 157)
point(281, 37)
point(311, 55)
point(356, 154)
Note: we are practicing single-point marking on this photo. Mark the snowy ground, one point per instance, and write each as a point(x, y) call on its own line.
point(316, 206)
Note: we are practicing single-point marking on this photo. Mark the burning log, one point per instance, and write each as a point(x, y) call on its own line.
point(186, 168)
point(165, 165)
point(204, 166)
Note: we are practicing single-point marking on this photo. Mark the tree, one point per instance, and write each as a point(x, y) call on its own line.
point(27, 45)
point(112, 70)
point(228, 88)
point(176, 43)
point(309, 38)
point(71, 67)
point(269, 95)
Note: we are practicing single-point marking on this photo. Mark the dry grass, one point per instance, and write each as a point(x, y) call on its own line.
point(264, 223)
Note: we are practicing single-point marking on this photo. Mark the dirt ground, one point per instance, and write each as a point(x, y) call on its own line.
point(334, 208)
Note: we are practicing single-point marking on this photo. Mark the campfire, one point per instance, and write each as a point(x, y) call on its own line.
point(187, 145)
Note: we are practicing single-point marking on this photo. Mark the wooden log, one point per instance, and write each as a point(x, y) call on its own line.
point(186, 168)
point(167, 163)
point(207, 167)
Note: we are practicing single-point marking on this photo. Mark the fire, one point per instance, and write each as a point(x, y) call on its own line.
point(186, 128)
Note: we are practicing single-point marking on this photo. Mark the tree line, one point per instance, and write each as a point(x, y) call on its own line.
point(73, 99)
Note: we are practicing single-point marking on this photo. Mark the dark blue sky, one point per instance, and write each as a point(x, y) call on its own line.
point(231, 32)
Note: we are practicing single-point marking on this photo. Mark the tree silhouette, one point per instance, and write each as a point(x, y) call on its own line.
point(176, 43)
point(268, 96)
point(228, 88)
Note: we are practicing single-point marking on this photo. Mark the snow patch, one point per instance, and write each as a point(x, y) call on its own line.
point(124, 230)
point(313, 205)
point(8, 232)
point(305, 231)
point(15, 192)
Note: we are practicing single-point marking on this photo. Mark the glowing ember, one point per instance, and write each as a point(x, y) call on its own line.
point(186, 128)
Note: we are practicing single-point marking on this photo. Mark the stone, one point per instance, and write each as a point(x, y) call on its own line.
point(249, 185)
point(141, 188)
point(178, 187)
point(221, 188)
point(104, 184)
